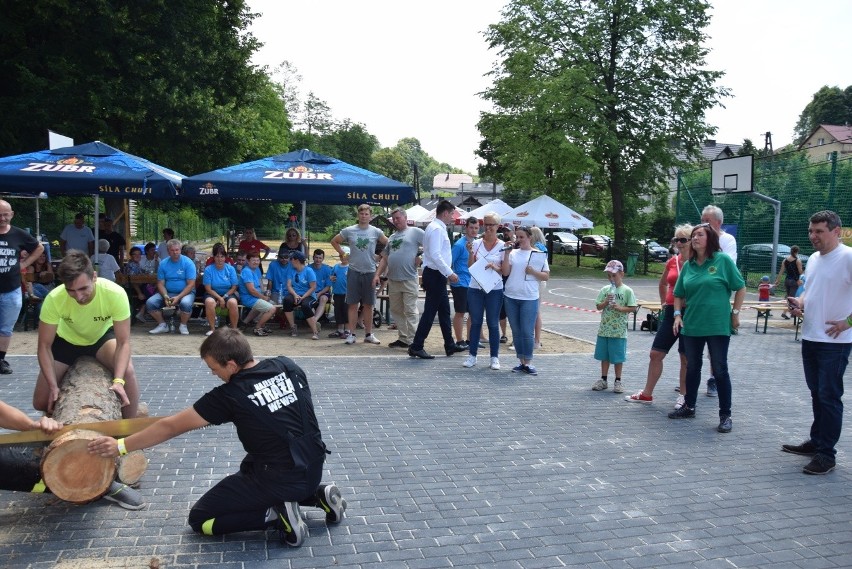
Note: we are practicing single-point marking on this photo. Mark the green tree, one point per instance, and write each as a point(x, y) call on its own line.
point(171, 81)
point(829, 105)
point(391, 163)
point(613, 81)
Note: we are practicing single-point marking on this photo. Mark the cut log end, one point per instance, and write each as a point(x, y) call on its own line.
point(72, 473)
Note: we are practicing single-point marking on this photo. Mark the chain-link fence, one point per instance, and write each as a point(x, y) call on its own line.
point(802, 187)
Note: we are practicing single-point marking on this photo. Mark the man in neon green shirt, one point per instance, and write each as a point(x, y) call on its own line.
point(85, 316)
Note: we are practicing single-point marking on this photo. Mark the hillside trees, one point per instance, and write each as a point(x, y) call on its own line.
point(600, 88)
point(829, 105)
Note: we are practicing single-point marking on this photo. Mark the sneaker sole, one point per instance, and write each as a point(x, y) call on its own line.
point(300, 530)
point(333, 504)
point(815, 473)
point(630, 398)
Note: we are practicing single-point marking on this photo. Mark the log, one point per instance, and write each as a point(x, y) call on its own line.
point(68, 469)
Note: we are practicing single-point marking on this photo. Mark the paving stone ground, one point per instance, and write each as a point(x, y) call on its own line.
point(449, 467)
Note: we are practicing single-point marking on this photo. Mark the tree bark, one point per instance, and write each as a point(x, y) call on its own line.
point(68, 469)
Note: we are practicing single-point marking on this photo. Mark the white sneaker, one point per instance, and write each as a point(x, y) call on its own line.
point(183, 329)
point(209, 332)
point(470, 361)
point(160, 329)
point(681, 400)
point(371, 339)
point(350, 339)
point(495, 363)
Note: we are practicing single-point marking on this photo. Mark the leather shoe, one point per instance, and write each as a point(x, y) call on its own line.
point(454, 349)
point(421, 353)
point(398, 344)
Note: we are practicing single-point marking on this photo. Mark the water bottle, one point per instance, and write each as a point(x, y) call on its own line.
point(612, 301)
point(280, 294)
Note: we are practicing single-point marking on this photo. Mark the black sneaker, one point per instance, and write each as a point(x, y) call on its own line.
point(503, 339)
point(463, 345)
point(807, 448)
point(725, 425)
point(819, 465)
point(124, 496)
point(398, 344)
point(683, 413)
point(5, 368)
point(331, 502)
point(292, 530)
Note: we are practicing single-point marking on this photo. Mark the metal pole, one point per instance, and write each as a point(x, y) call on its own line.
point(775, 231)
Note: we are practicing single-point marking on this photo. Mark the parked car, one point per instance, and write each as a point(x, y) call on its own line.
point(756, 257)
point(595, 245)
point(565, 243)
point(656, 252)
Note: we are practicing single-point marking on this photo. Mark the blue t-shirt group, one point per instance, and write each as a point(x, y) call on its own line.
point(176, 273)
point(220, 280)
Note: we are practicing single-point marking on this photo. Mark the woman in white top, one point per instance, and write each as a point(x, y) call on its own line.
point(488, 251)
point(526, 267)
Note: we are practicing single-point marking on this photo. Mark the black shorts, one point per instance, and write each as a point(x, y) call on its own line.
point(665, 337)
point(67, 353)
point(459, 299)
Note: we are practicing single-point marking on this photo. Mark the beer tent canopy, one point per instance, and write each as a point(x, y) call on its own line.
point(498, 206)
point(547, 213)
point(297, 176)
point(91, 169)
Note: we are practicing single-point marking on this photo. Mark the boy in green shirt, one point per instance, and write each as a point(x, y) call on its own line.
point(615, 301)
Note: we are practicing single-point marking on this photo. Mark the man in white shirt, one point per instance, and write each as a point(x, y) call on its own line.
point(715, 217)
point(437, 270)
point(826, 337)
point(77, 236)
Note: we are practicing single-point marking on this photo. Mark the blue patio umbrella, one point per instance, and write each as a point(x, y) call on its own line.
point(300, 176)
point(91, 169)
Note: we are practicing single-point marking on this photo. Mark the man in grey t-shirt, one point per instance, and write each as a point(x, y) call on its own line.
point(362, 239)
point(401, 258)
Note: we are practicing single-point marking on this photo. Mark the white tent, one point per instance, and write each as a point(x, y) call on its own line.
point(430, 216)
point(547, 213)
point(498, 206)
point(415, 212)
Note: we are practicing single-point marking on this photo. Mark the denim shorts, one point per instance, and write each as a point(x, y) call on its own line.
point(10, 309)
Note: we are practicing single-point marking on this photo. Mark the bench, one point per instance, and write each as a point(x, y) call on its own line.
point(651, 306)
point(763, 310)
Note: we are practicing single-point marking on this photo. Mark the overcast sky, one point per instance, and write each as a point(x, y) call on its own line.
point(413, 69)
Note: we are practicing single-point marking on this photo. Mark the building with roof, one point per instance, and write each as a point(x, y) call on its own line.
point(446, 182)
point(826, 139)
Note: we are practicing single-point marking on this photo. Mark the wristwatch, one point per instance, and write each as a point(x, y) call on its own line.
point(735, 311)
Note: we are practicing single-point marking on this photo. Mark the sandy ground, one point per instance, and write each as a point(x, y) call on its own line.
point(280, 343)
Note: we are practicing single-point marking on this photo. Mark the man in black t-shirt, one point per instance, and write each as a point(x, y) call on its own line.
point(12, 241)
point(270, 404)
point(117, 242)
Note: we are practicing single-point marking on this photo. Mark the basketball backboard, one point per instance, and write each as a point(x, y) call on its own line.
point(732, 175)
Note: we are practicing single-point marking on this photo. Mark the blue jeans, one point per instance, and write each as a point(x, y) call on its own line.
point(10, 309)
point(156, 303)
point(478, 304)
point(824, 365)
point(437, 302)
point(718, 348)
point(522, 315)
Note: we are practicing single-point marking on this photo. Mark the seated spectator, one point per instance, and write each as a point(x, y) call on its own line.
point(220, 284)
point(43, 276)
point(142, 291)
point(276, 278)
point(104, 262)
point(293, 242)
point(240, 263)
point(250, 243)
point(191, 253)
point(323, 273)
point(252, 296)
point(151, 260)
point(163, 248)
point(28, 289)
point(301, 291)
point(175, 289)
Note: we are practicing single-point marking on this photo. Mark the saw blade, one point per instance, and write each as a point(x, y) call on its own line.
point(117, 428)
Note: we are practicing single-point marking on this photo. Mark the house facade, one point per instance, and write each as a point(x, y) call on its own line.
point(826, 139)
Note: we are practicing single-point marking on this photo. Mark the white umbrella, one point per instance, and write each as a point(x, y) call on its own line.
point(547, 213)
point(498, 206)
point(430, 217)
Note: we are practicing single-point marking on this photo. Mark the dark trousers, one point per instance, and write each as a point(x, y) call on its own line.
point(825, 364)
point(718, 348)
point(341, 310)
point(239, 502)
point(437, 302)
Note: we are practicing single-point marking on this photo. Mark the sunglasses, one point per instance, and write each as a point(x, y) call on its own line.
point(680, 240)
